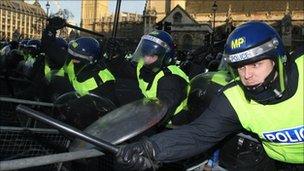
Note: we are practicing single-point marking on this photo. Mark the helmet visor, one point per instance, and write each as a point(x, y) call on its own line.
point(150, 46)
point(80, 57)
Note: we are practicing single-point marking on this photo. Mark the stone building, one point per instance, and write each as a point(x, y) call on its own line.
point(185, 31)
point(19, 19)
point(287, 16)
point(92, 13)
point(100, 20)
point(105, 25)
point(164, 7)
point(95, 16)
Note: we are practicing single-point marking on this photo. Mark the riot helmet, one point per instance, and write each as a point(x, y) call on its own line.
point(56, 55)
point(32, 48)
point(84, 50)
point(157, 43)
point(252, 42)
point(85, 55)
point(61, 43)
point(22, 45)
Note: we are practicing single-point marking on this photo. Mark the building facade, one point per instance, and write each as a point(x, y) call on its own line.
point(92, 13)
point(95, 16)
point(287, 16)
point(163, 7)
point(125, 18)
point(19, 20)
point(186, 32)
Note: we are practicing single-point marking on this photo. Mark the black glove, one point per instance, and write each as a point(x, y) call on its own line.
point(137, 156)
point(56, 23)
point(113, 48)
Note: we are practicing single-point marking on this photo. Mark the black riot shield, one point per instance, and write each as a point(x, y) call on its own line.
point(125, 122)
point(200, 93)
point(81, 111)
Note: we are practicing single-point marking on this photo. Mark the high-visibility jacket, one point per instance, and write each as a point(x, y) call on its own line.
point(152, 91)
point(84, 87)
point(279, 126)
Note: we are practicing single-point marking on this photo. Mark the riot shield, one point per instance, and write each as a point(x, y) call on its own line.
point(81, 111)
point(125, 122)
point(199, 86)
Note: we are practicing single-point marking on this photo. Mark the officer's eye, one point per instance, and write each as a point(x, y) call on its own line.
point(257, 64)
point(241, 68)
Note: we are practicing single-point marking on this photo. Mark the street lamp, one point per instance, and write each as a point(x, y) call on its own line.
point(214, 8)
point(47, 8)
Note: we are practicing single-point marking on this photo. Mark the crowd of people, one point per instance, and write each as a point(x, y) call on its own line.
point(255, 86)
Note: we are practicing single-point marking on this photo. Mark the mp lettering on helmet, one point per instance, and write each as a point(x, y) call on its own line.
point(286, 136)
point(154, 33)
point(236, 43)
point(74, 44)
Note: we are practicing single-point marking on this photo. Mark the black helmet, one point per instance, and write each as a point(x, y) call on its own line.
point(84, 49)
point(56, 54)
point(22, 44)
point(33, 47)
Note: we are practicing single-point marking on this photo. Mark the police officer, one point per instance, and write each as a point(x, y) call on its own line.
point(265, 98)
point(156, 77)
point(51, 63)
point(86, 71)
point(54, 47)
point(31, 53)
point(11, 55)
point(52, 67)
point(46, 70)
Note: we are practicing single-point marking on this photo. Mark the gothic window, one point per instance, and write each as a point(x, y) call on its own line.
point(177, 18)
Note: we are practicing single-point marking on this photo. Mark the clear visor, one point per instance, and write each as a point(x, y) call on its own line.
point(150, 46)
point(80, 57)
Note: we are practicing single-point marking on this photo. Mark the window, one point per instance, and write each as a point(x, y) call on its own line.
point(177, 18)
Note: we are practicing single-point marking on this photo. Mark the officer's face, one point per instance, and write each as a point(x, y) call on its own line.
point(255, 73)
point(150, 59)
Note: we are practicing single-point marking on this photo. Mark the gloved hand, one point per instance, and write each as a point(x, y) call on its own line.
point(113, 48)
point(137, 156)
point(56, 23)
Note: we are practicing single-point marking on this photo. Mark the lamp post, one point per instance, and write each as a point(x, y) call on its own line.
point(214, 8)
point(116, 18)
point(47, 8)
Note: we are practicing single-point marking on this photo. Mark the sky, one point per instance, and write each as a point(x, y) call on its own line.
point(74, 6)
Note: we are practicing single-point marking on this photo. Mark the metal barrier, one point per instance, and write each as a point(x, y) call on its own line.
point(17, 142)
point(28, 143)
point(9, 117)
